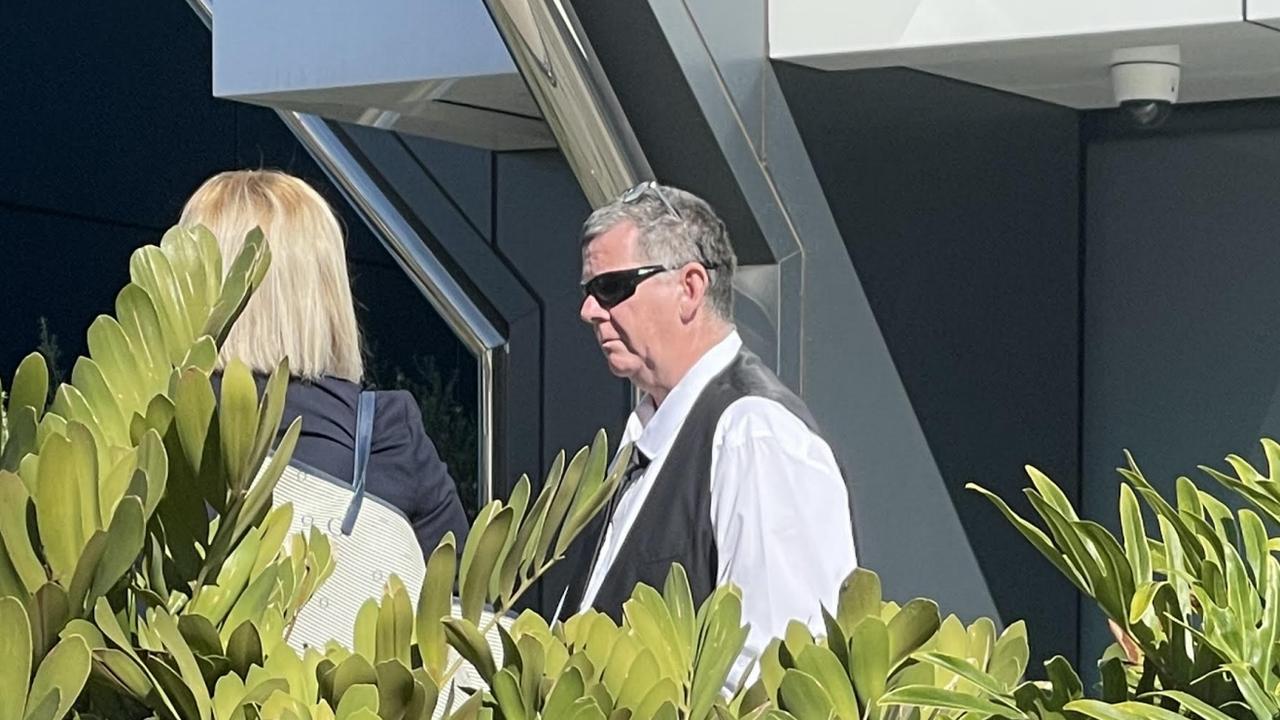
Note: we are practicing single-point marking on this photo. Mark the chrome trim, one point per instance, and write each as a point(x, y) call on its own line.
point(444, 293)
point(575, 98)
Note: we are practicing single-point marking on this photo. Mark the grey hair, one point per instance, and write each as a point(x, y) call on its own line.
point(698, 235)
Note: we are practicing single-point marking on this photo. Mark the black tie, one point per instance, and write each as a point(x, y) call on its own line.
point(636, 466)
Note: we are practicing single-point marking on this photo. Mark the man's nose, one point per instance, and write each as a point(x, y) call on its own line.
point(591, 312)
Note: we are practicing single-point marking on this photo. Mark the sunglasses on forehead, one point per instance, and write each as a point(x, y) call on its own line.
point(649, 187)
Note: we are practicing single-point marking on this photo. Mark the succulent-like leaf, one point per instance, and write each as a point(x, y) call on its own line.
point(61, 674)
point(434, 604)
point(465, 637)
point(483, 549)
point(804, 697)
point(395, 625)
point(13, 531)
point(822, 665)
point(942, 699)
point(167, 629)
point(244, 274)
point(15, 659)
point(30, 387)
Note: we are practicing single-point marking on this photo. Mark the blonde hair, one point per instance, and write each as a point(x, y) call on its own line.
point(303, 310)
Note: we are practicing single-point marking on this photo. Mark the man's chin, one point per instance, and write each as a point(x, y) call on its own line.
point(622, 367)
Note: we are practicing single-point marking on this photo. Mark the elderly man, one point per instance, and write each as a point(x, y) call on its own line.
point(729, 477)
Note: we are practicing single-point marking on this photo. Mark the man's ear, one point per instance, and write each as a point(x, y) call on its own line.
point(694, 283)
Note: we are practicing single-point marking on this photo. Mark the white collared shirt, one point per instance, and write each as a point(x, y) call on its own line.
point(779, 506)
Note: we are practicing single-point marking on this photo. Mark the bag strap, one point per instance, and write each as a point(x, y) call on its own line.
point(365, 409)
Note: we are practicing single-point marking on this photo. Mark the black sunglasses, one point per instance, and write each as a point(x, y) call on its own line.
point(612, 288)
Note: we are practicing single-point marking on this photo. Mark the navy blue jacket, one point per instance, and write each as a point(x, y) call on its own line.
point(404, 467)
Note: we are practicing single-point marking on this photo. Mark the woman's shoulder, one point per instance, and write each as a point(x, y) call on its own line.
point(397, 414)
point(397, 402)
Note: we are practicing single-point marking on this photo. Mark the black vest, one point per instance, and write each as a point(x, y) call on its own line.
point(674, 524)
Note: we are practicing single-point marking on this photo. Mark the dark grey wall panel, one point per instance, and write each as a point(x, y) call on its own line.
point(105, 114)
point(465, 173)
point(959, 207)
point(539, 212)
point(1182, 351)
point(65, 269)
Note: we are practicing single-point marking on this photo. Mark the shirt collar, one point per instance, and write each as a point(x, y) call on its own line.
point(658, 426)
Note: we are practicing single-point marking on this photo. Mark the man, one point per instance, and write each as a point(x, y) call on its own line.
point(729, 477)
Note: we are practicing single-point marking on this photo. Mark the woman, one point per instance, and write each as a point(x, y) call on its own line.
point(304, 311)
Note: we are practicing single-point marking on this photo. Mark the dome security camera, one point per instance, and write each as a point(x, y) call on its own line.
point(1145, 81)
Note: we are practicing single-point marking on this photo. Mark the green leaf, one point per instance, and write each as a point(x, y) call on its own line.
point(22, 437)
point(244, 648)
point(356, 699)
point(593, 491)
point(1195, 705)
point(719, 645)
point(60, 507)
point(869, 659)
point(131, 677)
point(244, 274)
point(110, 349)
point(46, 709)
point(13, 531)
point(270, 412)
point(922, 696)
point(506, 691)
point(804, 697)
point(679, 600)
point(137, 316)
point(532, 531)
point(49, 610)
point(1012, 651)
point(859, 598)
point(395, 625)
point(30, 386)
point(1051, 493)
point(965, 669)
point(822, 665)
point(1037, 538)
point(15, 658)
point(565, 491)
point(1121, 711)
point(88, 379)
point(434, 603)
point(465, 637)
point(353, 671)
point(1135, 536)
point(164, 626)
point(475, 576)
point(125, 539)
point(253, 601)
point(238, 422)
point(1260, 701)
point(151, 270)
point(365, 638)
point(259, 499)
point(395, 689)
point(82, 579)
point(503, 583)
point(911, 628)
point(64, 671)
point(649, 619)
point(1115, 684)
point(1066, 682)
point(172, 687)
